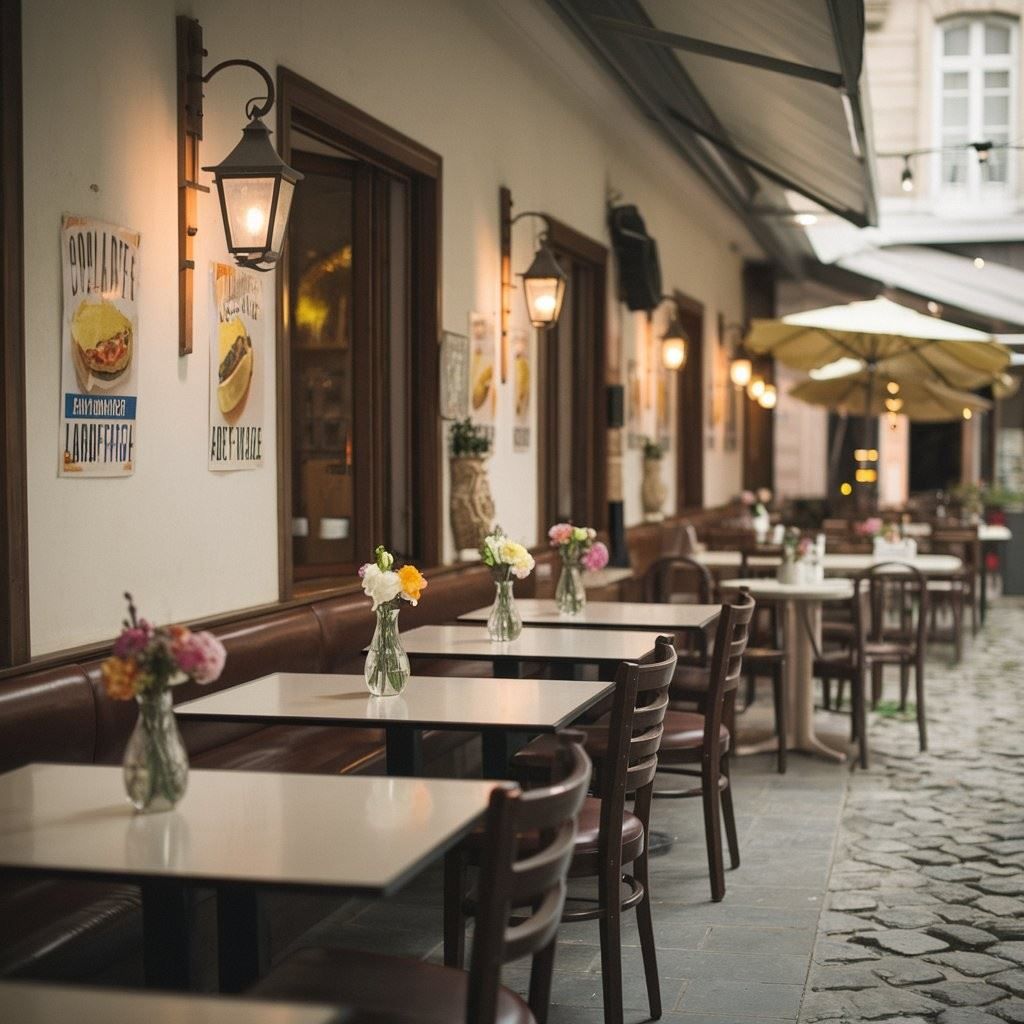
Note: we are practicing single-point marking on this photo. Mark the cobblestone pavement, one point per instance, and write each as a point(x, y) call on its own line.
point(924, 920)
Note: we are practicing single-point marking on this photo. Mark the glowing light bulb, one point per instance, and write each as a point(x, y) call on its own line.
point(845, 489)
point(769, 397)
point(673, 353)
point(892, 387)
point(544, 304)
point(967, 413)
point(755, 389)
point(979, 263)
point(254, 220)
point(740, 372)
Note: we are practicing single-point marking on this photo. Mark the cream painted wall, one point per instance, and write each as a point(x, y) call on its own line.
point(499, 89)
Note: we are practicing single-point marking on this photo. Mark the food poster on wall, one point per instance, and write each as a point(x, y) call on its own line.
point(238, 356)
point(483, 391)
point(99, 348)
point(634, 406)
point(522, 379)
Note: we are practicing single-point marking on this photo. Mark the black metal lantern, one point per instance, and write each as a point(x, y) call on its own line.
point(544, 288)
point(255, 187)
point(674, 342)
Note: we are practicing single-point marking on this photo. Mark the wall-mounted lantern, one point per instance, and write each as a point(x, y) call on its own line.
point(254, 184)
point(543, 282)
point(740, 372)
point(675, 344)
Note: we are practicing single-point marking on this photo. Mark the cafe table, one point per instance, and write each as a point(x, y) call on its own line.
point(668, 618)
point(835, 564)
point(236, 832)
point(30, 1002)
point(800, 604)
point(565, 647)
point(496, 708)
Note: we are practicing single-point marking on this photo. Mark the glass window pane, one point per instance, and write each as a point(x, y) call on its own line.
point(954, 111)
point(955, 41)
point(954, 167)
point(995, 79)
point(954, 80)
point(997, 38)
point(996, 111)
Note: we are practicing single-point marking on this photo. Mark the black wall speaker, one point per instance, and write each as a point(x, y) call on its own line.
point(637, 252)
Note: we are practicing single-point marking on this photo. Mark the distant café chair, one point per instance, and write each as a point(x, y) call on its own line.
point(529, 878)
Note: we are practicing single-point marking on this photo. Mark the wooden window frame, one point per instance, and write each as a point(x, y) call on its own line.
point(15, 646)
point(592, 458)
point(307, 107)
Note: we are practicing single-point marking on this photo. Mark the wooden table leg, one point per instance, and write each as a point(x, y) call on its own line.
point(238, 938)
point(165, 934)
point(497, 752)
point(404, 750)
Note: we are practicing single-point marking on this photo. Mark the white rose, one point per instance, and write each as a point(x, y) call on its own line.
point(380, 587)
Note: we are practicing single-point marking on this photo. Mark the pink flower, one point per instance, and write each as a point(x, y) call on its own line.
point(133, 640)
point(199, 655)
point(747, 497)
point(596, 558)
point(560, 533)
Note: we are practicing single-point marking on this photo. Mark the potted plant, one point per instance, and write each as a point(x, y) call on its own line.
point(653, 491)
point(471, 505)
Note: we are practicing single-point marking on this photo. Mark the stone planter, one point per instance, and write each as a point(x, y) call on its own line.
point(653, 491)
point(472, 508)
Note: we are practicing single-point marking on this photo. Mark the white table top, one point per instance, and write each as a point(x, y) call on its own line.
point(604, 577)
point(34, 1003)
point(610, 615)
point(362, 834)
point(428, 702)
point(930, 565)
point(771, 589)
point(535, 643)
point(994, 532)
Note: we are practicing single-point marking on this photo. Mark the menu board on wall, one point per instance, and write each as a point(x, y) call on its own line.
point(483, 391)
point(99, 348)
point(238, 358)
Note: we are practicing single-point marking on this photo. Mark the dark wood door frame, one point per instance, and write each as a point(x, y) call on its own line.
point(590, 449)
point(14, 606)
point(305, 106)
point(689, 457)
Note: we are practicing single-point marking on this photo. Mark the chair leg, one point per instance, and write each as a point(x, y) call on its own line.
point(713, 828)
point(859, 715)
point(454, 919)
point(922, 725)
point(730, 818)
point(751, 689)
point(611, 949)
point(779, 696)
point(645, 926)
point(840, 693)
point(876, 684)
point(826, 692)
point(957, 605)
point(904, 684)
point(540, 982)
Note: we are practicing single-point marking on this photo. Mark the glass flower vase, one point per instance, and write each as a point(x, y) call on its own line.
point(570, 597)
point(387, 665)
point(155, 761)
point(504, 622)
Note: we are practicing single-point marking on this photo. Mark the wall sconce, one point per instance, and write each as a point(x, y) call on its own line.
point(674, 342)
point(740, 373)
point(769, 397)
point(254, 184)
point(543, 282)
point(755, 389)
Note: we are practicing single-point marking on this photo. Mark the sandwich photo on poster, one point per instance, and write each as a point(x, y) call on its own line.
point(99, 341)
point(237, 358)
point(483, 391)
point(522, 384)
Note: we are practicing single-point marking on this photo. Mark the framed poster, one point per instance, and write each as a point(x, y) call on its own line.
point(483, 393)
point(99, 348)
point(454, 376)
point(238, 357)
point(522, 384)
point(634, 405)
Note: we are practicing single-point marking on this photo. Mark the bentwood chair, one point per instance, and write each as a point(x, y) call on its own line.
point(697, 745)
point(528, 877)
point(624, 747)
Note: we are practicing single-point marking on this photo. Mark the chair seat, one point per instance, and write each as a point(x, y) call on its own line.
point(381, 988)
point(589, 828)
point(761, 655)
point(684, 730)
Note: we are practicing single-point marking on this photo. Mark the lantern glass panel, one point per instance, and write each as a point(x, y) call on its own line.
point(673, 353)
point(543, 299)
point(284, 207)
point(248, 202)
point(740, 372)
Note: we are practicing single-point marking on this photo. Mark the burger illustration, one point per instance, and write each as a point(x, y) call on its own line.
point(234, 371)
point(102, 342)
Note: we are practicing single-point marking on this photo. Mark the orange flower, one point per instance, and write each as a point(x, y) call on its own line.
point(412, 582)
point(120, 678)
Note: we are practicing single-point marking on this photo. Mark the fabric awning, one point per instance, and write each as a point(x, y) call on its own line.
point(764, 97)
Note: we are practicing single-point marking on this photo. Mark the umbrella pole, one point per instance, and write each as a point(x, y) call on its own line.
point(871, 494)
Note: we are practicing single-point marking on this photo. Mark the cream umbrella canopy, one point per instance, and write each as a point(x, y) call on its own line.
point(883, 338)
point(921, 400)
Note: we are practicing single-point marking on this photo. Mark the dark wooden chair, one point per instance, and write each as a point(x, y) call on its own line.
point(681, 577)
point(697, 745)
point(514, 876)
point(624, 747)
point(958, 591)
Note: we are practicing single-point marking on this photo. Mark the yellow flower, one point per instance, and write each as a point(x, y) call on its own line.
point(120, 678)
point(412, 582)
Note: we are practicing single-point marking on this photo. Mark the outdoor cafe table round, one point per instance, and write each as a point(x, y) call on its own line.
point(801, 612)
point(834, 564)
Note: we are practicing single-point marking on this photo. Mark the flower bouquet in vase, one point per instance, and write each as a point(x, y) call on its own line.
point(579, 549)
point(387, 665)
point(506, 558)
point(146, 662)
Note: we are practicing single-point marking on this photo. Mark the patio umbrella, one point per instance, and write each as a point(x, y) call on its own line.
point(921, 400)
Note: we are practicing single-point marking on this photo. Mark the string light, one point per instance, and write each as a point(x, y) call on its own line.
point(907, 177)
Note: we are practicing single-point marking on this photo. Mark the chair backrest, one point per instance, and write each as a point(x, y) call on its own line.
point(960, 541)
point(533, 882)
point(898, 601)
point(663, 576)
point(731, 538)
point(635, 727)
point(731, 637)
